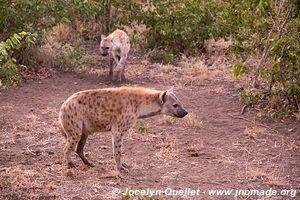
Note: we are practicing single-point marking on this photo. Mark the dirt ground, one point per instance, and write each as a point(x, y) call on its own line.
point(214, 147)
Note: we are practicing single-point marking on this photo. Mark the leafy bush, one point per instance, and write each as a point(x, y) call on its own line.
point(69, 57)
point(181, 26)
point(250, 97)
point(9, 68)
point(164, 57)
point(276, 41)
point(39, 15)
point(239, 69)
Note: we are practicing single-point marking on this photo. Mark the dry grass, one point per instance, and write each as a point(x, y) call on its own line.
point(256, 173)
point(61, 32)
point(196, 72)
point(254, 132)
point(192, 120)
point(31, 121)
point(167, 149)
point(276, 181)
point(195, 150)
point(292, 146)
point(56, 37)
point(272, 178)
point(18, 183)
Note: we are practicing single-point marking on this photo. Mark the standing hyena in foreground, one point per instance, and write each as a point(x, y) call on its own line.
point(111, 109)
point(117, 44)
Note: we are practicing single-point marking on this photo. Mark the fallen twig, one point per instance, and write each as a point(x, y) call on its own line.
point(35, 152)
point(244, 107)
point(30, 151)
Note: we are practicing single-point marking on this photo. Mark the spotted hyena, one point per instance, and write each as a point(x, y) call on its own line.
point(111, 109)
point(117, 45)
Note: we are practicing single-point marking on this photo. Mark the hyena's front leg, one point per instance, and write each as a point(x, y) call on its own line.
point(121, 68)
point(111, 63)
point(117, 139)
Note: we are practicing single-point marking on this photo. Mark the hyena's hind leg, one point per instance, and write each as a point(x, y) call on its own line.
point(80, 146)
point(72, 141)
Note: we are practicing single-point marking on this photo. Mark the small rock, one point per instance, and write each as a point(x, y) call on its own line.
point(50, 152)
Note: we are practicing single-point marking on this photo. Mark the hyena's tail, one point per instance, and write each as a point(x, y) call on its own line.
point(62, 130)
point(63, 133)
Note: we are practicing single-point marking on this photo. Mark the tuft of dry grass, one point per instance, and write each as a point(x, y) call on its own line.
point(274, 181)
point(254, 132)
point(195, 150)
point(192, 120)
point(167, 150)
point(196, 72)
point(257, 174)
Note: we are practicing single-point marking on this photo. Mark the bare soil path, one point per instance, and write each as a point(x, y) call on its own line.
point(213, 148)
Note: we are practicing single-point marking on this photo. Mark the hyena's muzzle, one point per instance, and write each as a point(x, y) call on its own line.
point(180, 112)
point(104, 51)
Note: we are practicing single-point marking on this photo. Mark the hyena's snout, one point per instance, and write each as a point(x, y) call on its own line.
point(104, 51)
point(181, 113)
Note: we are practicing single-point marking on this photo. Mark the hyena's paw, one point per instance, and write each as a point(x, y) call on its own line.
point(89, 164)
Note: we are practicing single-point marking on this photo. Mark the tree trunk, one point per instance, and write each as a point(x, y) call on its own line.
point(108, 14)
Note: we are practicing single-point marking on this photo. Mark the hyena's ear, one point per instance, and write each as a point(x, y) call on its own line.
point(102, 37)
point(171, 90)
point(162, 97)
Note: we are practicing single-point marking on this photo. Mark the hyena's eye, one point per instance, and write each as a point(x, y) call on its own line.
point(175, 105)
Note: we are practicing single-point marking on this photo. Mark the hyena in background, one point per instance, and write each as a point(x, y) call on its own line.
point(111, 109)
point(117, 45)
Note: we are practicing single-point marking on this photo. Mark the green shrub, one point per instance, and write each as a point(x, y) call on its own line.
point(165, 57)
point(141, 126)
point(36, 15)
point(276, 41)
point(70, 57)
point(239, 69)
point(250, 97)
point(9, 67)
point(181, 26)
point(283, 111)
